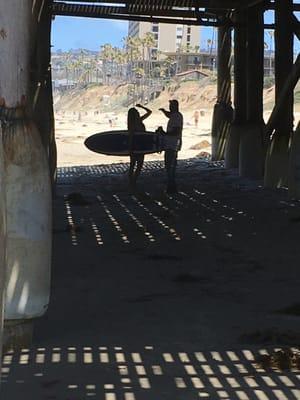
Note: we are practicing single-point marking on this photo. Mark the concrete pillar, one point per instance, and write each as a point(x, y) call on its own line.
point(222, 116)
point(29, 221)
point(252, 138)
point(2, 240)
point(240, 90)
point(41, 89)
point(294, 166)
point(28, 188)
point(276, 171)
point(284, 58)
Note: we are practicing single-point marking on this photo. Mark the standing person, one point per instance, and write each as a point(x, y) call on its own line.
point(173, 142)
point(135, 124)
point(196, 118)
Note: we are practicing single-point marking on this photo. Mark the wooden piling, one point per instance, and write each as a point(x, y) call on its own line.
point(222, 116)
point(284, 55)
point(41, 89)
point(255, 64)
point(251, 150)
point(276, 172)
point(240, 90)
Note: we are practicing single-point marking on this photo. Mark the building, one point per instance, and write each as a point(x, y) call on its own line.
point(191, 75)
point(187, 61)
point(62, 85)
point(168, 37)
point(208, 61)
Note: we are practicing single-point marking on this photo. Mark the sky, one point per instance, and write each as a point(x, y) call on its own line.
point(89, 33)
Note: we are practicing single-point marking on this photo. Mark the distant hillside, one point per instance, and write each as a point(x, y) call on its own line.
point(191, 95)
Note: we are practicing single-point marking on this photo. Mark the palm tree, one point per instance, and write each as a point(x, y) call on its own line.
point(120, 58)
point(132, 48)
point(96, 68)
point(167, 63)
point(149, 42)
point(107, 56)
point(271, 34)
point(209, 45)
point(67, 64)
point(93, 68)
point(197, 49)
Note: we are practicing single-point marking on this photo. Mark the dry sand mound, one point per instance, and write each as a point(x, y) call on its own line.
point(201, 145)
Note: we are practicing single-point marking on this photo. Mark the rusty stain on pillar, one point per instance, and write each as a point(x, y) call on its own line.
point(26, 169)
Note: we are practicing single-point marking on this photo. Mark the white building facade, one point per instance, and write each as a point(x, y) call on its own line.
point(168, 37)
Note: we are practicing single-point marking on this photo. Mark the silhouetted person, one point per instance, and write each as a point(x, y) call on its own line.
point(173, 142)
point(135, 124)
point(196, 118)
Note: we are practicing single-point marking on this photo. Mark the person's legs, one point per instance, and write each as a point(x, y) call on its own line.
point(167, 162)
point(170, 165)
point(139, 166)
point(131, 171)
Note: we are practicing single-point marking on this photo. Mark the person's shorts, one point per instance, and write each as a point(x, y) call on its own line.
point(137, 157)
point(171, 143)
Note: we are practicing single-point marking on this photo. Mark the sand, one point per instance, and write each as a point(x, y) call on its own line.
point(71, 133)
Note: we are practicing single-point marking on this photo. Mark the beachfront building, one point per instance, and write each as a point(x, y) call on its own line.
point(168, 37)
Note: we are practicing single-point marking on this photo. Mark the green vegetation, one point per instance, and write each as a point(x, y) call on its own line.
point(137, 62)
point(297, 97)
point(269, 81)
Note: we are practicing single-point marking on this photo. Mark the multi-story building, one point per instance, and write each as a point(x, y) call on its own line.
point(168, 37)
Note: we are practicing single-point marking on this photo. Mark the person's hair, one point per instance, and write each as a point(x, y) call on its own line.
point(133, 118)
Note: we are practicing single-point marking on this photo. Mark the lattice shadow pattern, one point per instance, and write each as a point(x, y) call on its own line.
point(117, 373)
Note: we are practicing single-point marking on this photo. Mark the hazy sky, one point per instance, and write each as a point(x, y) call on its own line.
point(90, 33)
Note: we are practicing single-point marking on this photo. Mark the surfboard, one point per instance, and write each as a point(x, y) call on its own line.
point(117, 143)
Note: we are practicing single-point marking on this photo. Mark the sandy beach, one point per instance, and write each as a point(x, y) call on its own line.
point(72, 130)
point(82, 112)
point(71, 133)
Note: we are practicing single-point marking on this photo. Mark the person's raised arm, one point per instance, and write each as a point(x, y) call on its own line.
point(167, 113)
point(148, 112)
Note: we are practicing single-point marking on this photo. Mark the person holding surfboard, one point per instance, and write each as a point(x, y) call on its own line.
point(135, 124)
point(172, 142)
